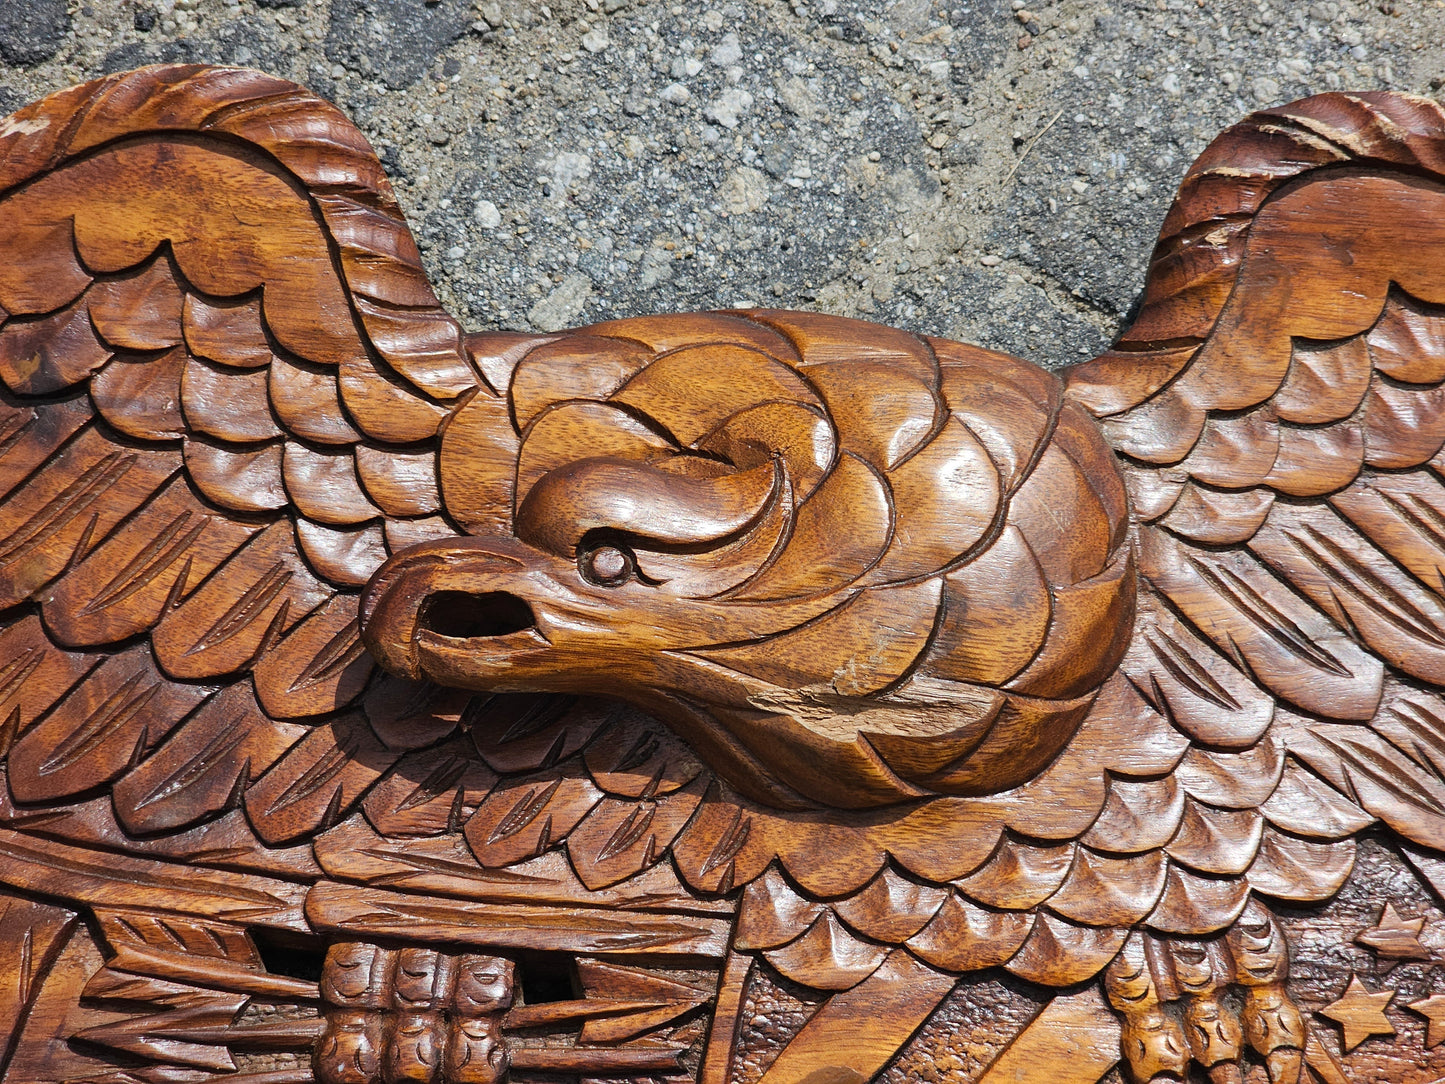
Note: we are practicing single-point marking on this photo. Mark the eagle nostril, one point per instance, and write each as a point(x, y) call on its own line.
point(461, 615)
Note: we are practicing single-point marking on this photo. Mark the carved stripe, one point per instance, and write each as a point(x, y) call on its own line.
point(1188, 672)
point(729, 843)
point(632, 828)
point(62, 509)
point(1074, 1040)
point(524, 812)
point(226, 740)
point(15, 672)
point(338, 653)
point(371, 912)
point(316, 776)
point(105, 878)
point(146, 565)
point(247, 609)
point(111, 715)
point(441, 779)
point(1268, 619)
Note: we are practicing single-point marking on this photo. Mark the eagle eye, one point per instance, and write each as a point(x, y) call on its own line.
point(607, 565)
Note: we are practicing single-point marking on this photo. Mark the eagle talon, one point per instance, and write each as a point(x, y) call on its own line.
point(1177, 1007)
point(412, 1016)
point(1153, 1041)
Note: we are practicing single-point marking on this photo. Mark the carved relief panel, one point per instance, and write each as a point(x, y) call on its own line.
point(730, 697)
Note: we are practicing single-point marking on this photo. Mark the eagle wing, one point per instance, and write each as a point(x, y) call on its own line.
point(225, 380)
point(224, 376)
point(1278, 406)
point(1278, 409)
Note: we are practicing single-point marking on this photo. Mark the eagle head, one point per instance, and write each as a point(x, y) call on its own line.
point(852, 567)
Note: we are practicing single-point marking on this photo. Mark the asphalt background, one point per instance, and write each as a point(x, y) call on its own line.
point(991, 170)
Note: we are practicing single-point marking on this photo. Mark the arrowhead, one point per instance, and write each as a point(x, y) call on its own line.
point(618, 1029)
point(161, 1036)
point(634, 983)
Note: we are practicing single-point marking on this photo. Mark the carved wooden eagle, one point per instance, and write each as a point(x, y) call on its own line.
point(961, 664)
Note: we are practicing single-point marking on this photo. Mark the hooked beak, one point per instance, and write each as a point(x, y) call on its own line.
point(446, 610)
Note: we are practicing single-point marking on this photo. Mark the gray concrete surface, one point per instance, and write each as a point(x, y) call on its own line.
point(991, 170)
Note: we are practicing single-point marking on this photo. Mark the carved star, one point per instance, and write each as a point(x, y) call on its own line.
point(1360, 1013)
point(1395, 938)
point(1432, 1009)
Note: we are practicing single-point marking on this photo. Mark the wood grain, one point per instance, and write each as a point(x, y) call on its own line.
point(409, 705)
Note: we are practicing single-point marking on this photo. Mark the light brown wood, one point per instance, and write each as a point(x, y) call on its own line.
point(734, 696)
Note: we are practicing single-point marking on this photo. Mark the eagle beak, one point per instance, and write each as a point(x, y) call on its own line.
point(444, 610)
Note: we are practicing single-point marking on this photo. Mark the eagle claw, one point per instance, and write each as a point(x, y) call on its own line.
point(1206, 1000)
point(412, 1016)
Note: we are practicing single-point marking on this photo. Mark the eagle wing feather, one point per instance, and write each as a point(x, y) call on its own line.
point(1277, 408)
